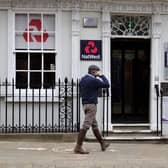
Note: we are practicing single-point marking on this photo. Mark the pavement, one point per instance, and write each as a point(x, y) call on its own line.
point(22, 154)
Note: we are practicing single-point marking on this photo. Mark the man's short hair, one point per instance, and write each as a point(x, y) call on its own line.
point(93, 67)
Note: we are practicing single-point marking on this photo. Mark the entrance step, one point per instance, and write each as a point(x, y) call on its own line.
point(132, 139)
point(132, 126)
point(131, 130)
point(131, 133)
point(128, 132)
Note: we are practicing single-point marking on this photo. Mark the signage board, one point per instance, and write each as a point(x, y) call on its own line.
point(166, 59)
point(164, 86)
point(91, 50)
point(90, 22)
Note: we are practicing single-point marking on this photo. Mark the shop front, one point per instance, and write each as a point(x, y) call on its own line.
point(43, 41)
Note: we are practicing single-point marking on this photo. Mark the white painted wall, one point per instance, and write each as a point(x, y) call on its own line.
point(163, 74)
point(3, 44)
point(165, 116)
point(164, 39)
point(65, 45)
point(90, 34)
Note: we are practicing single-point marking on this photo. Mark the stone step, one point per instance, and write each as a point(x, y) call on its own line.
point(132, 130)
point(127, 132)
point(131, 126)
point(131, 133)
point(132, 139)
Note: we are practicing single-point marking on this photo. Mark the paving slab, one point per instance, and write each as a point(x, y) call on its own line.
point(60, 155)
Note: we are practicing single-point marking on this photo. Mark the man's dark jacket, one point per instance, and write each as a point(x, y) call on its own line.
point(89, 86)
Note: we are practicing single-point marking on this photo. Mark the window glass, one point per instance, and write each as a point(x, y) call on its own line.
point(35, 33)
point(123, 25)
point(21, 22)
point(49, 23)
point(35, 61)
point(35, 80)
point(35, 40)
point(50, 44)
point(32, 21)
point(21, 61)
point(21, 79)
point(35, 29)
point(49, 61)
point(49, 79)
point(20, 40)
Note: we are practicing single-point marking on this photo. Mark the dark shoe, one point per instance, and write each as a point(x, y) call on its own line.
point(104, 145)
point(81, 136)
point(79, 150)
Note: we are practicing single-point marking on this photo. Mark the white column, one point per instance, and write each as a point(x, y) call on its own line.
point(11, 42)
point(75, 43)
point(155, 62)
point(106, 49)
point(59, 61)
point(106, 42)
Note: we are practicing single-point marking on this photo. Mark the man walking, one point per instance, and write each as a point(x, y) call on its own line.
point(89, 86)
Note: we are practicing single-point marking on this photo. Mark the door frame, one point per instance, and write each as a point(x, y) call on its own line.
point(156, 70)
point(148, 49)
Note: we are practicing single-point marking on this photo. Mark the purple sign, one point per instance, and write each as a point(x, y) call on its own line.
point(91, 50)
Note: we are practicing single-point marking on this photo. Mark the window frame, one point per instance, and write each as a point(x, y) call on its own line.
point(121, 20)
point(42, 71)
point(12, 50)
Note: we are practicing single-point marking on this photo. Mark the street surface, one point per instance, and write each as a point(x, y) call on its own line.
point(60, 155)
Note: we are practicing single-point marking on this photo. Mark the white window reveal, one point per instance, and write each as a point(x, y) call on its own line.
point(35, 50)
point(130, 26)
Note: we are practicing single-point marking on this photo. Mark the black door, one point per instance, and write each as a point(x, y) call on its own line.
point(130, 77)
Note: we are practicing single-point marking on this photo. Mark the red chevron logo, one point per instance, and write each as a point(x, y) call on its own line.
point(91, 48)
point(35, 26)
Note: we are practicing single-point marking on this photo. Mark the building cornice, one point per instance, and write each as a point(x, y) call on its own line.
point(4, 4)
point(113, 6)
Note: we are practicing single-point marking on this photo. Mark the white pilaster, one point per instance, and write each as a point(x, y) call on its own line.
point(106, 42)
point(155, 62)
point(59, 61)
point(11, 42)
point(75, 43)
point(106, 29)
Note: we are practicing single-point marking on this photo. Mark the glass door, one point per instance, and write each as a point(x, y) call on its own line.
point(130, 74)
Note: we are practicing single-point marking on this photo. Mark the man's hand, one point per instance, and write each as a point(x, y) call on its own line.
point(99, 73)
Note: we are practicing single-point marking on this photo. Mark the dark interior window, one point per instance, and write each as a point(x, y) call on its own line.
point(21, 61)
point(49, 61)
point(49, 79)
point(35, 80)
point(30, 72)
point(35, 61)
point(21, 79)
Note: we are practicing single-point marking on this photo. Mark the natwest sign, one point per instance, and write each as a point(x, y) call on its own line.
point(34, 32)
point(90, 50)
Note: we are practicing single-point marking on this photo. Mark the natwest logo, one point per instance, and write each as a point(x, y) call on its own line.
point(90, 50)
point(35, 32)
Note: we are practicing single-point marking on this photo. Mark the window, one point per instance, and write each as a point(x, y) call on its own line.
point(138, 26)
point(35, 50)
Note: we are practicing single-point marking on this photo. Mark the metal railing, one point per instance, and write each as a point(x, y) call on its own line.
point(48, 110)
point(159, 100)
point(161, 111)
point(105, 96)
point(55, 109)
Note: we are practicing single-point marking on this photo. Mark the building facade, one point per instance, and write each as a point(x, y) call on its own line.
point(42, 40)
